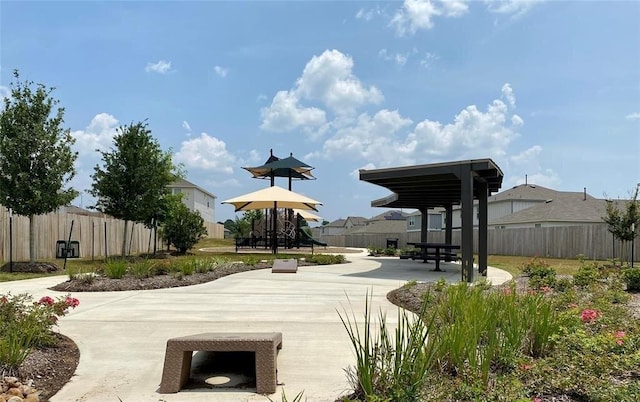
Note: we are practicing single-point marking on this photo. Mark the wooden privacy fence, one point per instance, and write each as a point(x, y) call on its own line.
point(98, 236)
point(592, 241)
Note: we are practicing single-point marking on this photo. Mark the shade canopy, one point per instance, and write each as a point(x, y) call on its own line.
point(273, 197)
point(307, 216)
point(287, 167)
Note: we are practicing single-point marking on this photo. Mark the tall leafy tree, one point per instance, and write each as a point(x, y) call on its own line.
point(36, 160)
point(133, 180)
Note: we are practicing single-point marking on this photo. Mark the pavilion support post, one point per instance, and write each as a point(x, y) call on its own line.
point(483, 195)
point(448, 231)
point(466, 191)
point(424, 225)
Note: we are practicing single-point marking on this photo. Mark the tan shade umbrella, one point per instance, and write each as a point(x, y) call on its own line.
point(273, 197)
point(307, 216)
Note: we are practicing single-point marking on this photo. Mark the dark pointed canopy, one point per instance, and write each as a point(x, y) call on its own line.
point(288, 167)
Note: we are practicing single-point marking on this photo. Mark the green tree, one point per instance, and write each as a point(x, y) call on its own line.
point(183, 228)
point(624, 223)
point(36, 160)
point(133, 182)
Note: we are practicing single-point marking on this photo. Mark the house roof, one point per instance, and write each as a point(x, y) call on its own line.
point(390, 215)
point(564, 207)
point(182, 183)
point(357, 220)
point(533, 192)
point(338, 223)
point(380, 226)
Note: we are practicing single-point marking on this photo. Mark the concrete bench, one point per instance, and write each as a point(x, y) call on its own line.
point(177, 359)
point(289, 266)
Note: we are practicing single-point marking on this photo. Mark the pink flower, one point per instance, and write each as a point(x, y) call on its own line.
point(619, 335)
point(545, 289)
point(588, 315)
point(526, 366)
point(507, 291)
point(3, 300)
point(72, 302)
point(536, 399)
point(46, 301)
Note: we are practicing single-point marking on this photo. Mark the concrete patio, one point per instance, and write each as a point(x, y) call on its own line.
point(122, 335)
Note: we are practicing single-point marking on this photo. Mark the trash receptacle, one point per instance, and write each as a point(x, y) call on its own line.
point(392, 243)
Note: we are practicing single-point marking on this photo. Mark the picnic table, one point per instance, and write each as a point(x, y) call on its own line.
point(436, 255)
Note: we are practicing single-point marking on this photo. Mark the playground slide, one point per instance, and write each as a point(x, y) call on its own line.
point(306, 238)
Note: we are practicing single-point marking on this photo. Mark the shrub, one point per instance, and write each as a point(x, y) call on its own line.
point(586, 275)
point(326, 259)
point(27, 324)
point(115, 268)
point(540, 273)
point(391, 365)
point(391, 251)
point(143, 269)
point(631, 277)
point(183, 228)
point(375, 250)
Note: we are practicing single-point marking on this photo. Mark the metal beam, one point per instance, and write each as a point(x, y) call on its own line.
point(466, 190)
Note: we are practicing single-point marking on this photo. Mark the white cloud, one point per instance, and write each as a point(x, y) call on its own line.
point(327, 79)
point(284, 114)
point(418, 15)
point(370, 137)
point(507, 93)
point(221, 71)
point(515, 8)
point(526, 166)
point(356, 173)
point(186, 126)
point(382, 138)
point(206, 153)
point(98, 135)
point(428, 59)
point(368, 15)
point(161, 67)
point(472, 134)
point(399, 58)
point(633, 116)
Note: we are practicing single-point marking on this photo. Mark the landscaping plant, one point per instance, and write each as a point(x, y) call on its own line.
point(27, 324)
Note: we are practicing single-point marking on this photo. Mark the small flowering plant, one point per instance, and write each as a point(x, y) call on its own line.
point(589, 315)
point(27, 323)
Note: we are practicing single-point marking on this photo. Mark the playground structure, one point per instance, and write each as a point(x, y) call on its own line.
point(290, 231)
point(279, 226)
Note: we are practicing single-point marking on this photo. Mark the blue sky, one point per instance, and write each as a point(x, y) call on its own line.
point(547, 89)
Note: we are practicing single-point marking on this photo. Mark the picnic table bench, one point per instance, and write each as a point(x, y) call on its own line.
point(441, 252)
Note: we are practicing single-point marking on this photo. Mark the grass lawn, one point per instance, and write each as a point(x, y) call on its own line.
point(513, 264)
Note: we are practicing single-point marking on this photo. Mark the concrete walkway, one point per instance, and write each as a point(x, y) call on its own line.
point(122, 335)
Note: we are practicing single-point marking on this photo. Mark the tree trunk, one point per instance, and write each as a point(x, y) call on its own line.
point(32, 243)
point(124, 239)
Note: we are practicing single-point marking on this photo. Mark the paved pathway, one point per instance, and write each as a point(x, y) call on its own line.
point(122, 335)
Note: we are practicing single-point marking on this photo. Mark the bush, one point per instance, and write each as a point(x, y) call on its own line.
point(631, 277)
point(143, 269)
point(586, 275)
point(326, 259)
point(375, 250)
point(183, 228)
point(391, 251)
point(27, 324)
point(540, 273)
point(115, 268)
